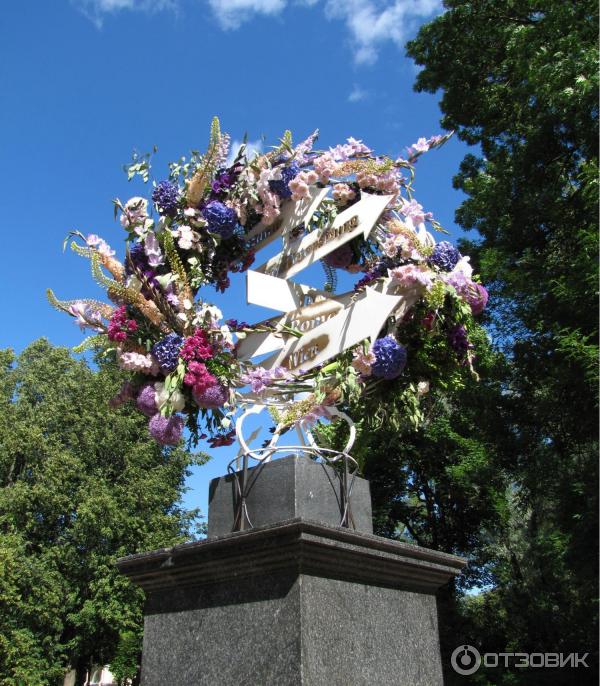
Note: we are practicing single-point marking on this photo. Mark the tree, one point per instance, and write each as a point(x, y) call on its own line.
point(80, 486)
point(519, 78)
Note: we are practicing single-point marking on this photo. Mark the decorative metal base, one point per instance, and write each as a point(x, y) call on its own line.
point(245, 479)
point(322, 490)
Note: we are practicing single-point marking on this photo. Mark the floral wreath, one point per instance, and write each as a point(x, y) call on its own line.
point(182, 358)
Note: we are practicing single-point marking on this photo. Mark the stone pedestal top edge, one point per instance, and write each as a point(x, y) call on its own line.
point(299, 545)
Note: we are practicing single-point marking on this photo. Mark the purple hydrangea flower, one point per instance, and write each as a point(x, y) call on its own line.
point(445, 256)
point(166, 430)
point(281, 186)
point(166, 352)
point(212, 397)
point(166, 197)
point(146, 400)
point(390, 358)
point(221, 219)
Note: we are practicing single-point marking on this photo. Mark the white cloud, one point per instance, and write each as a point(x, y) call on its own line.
point(252, 147)
point(96, 10)
point(371, 24)
point(231, 14)
point(357, 94)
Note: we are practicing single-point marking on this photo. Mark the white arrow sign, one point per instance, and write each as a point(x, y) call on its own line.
point(303, 318)
point(364, 318)
point(357, 219)
point(278, 294)
point(292, 215)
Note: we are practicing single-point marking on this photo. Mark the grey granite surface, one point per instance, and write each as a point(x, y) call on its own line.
point(294, 603)
point(288, 488)
point(243, 634)
point(361, 635)
point(281, 630)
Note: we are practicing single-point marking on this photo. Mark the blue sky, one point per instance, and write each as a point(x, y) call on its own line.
point(84, 82)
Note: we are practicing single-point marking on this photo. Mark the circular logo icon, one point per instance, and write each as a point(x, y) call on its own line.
point(465, 660)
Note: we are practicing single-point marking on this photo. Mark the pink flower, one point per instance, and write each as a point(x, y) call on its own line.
point(198, 377)
point(257, 378)
point(299, 185)
point(269, 201)
point(299, 188)
point(86, 316)
point(422, 145)
point(119, 327)
point(411, 275)
point(362, 362)
point(313, 415)
point(366, 180)
point(397, 244)
point(342, 193)
point(358, 147)
point(101, 245)
point(196, 347)
point(136, 362)
point(477, 297)
point(135, 213)
point(325, 167)
point(414, 212)
point(349, 149)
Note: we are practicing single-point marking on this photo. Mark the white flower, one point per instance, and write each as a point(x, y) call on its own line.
point(226, 334)
point(423, 387)
point(463, 266)
point(134, 283)
point(175, 398)
point(187, 237)
point(203, 309)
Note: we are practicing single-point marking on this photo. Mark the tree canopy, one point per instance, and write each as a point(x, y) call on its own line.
point(518, 80)
point(80, 486)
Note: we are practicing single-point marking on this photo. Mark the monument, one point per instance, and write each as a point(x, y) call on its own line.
point(290, 586)
point(298, 599)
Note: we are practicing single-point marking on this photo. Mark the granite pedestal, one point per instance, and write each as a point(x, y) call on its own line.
point(297, 602)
